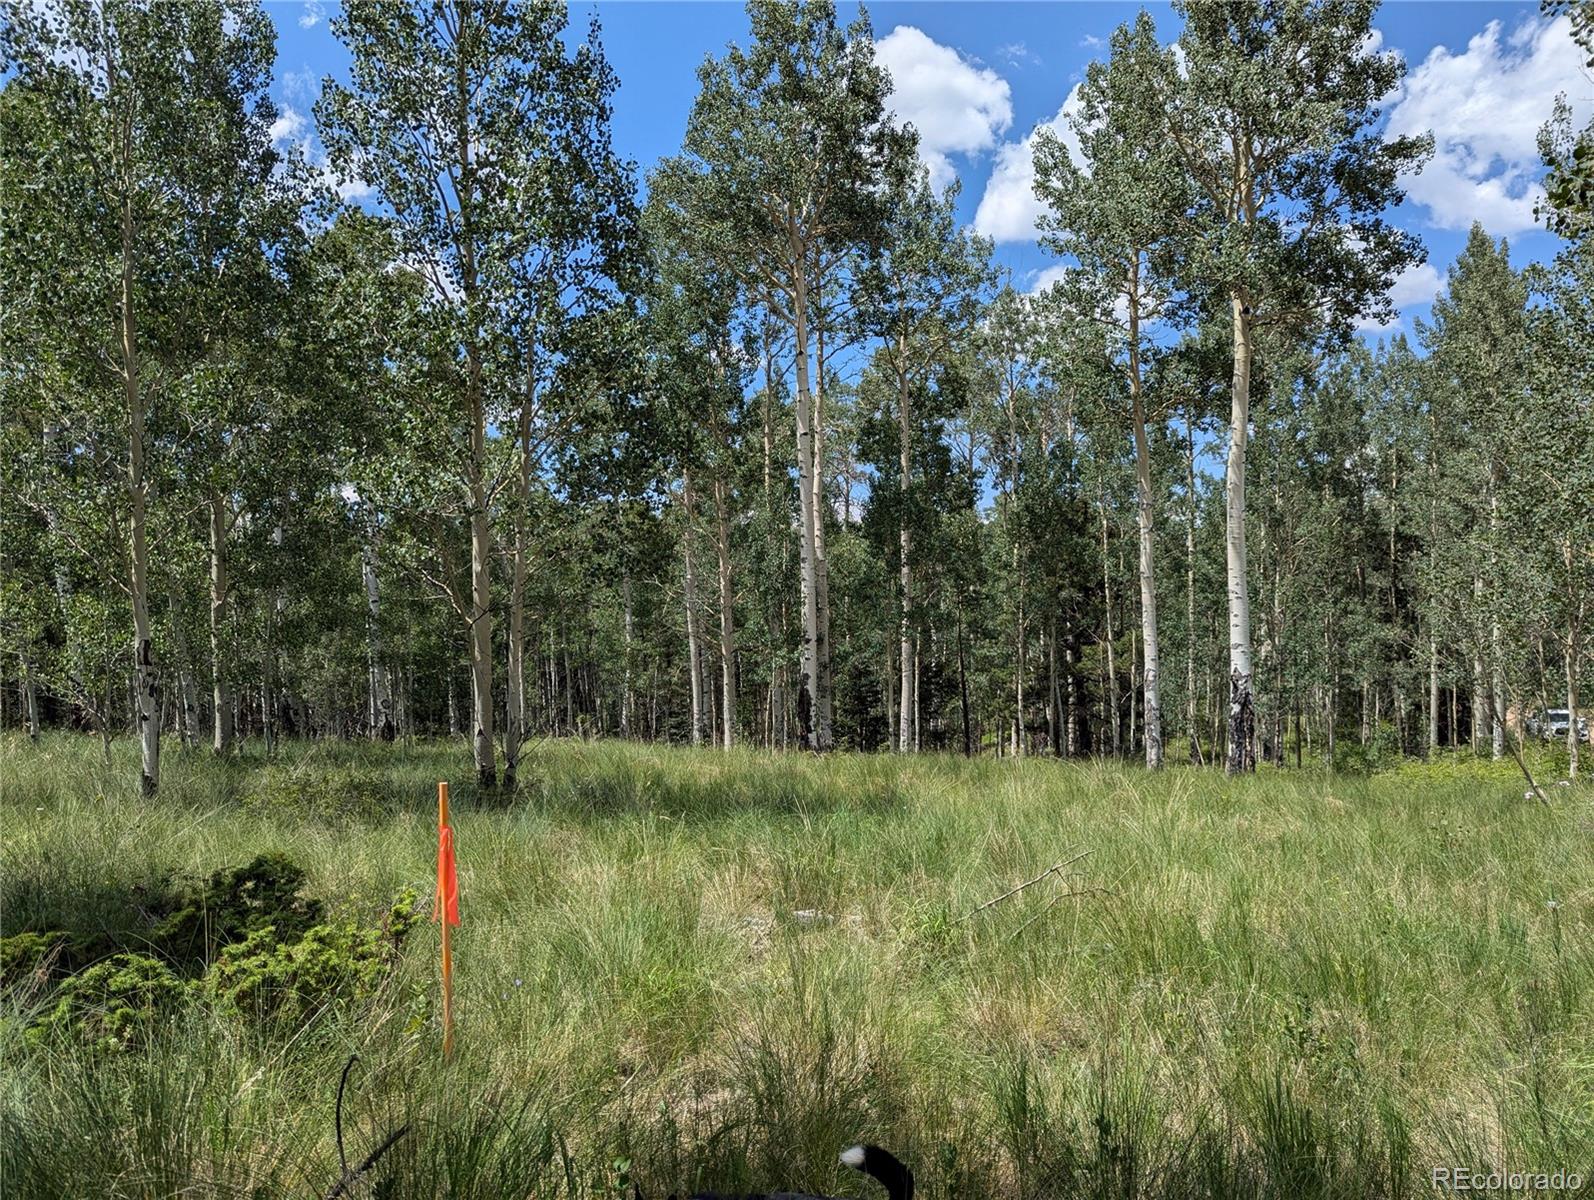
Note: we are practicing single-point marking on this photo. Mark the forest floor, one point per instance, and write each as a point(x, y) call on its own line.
point(682, 968)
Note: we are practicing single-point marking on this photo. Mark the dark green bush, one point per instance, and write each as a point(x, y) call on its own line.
point(230, 906)
point(267, 978)
point(113, 1004)
point(26, 954)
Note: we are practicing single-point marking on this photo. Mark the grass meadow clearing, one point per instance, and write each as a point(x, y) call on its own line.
point(684, 969)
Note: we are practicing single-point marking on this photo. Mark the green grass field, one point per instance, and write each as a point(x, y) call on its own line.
point(686, 969)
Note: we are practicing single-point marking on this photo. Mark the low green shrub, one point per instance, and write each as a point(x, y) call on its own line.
point(268, 978)
point(230, 906)
point(27, 954)
point(113, 1004)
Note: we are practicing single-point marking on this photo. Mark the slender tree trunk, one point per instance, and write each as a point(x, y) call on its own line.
point(1496, 650)
point(480, 624)
point(777, 733)
point(1572, 739)
point(1242, 733)
point(890, 685)
point(769, 415)
point(481, 599)
point(825, 697)
point(1573, 658)
point(148, 693)
point(918, 692)
point(1054, 696)
point(1134, 686)
point(1015, 457)
point(1278, 661)
point(694, 645)
point(627, 698)
point(188, 709)
point(30, 697)
point(1331, 707)
point(812, 723)
point(1114, 701)
point(1019, 666)
point(1433, 696)
point(1189, 590)
point(909, 666)
point(271, 702)
point(1071, 698)
point(1152, 655)
point(220, 669)
point(963, 690)
point(722, 541)
point(515, 689)
point(379, 696)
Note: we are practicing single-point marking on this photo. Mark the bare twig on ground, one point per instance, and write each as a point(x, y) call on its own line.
point(1054, 869)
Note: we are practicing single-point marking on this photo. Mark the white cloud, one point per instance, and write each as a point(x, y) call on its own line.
point(1044, 279)
point(1009, 208)
point(349, 189)
point(1485, 106)
point(301, 85)
point(1368, 324)
point(1018, 54)
point(312, 14)
point(957, 108)
point(1417, 284)
point(287, 127)
point(1091, 42)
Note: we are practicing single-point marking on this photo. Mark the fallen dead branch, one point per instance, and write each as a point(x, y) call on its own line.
point(1055, 869)
point(1053, 903)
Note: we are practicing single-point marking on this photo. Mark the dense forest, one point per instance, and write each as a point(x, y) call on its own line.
point(761, 448)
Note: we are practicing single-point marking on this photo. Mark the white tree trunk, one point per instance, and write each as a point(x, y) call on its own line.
point(1433, 696)
point(722, 524)
point(1571, 711)
point(824, 701)
point(481, 610)
point(1477, 679)
point(1114, 702)
point(148, 686)
point(188, 709)
point(30, 698)
point(1148, 580)
point(906, 652)
point(811, 734)
point(1242, 753)
point(1574, 660)
point(627, 687)
point(220, 668)
point(1497, 705)
point(1189, 591)
point(378, 694)
point(515, 689)
point(694, 644)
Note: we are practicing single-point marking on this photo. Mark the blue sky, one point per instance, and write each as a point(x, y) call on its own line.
point(977, 77)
